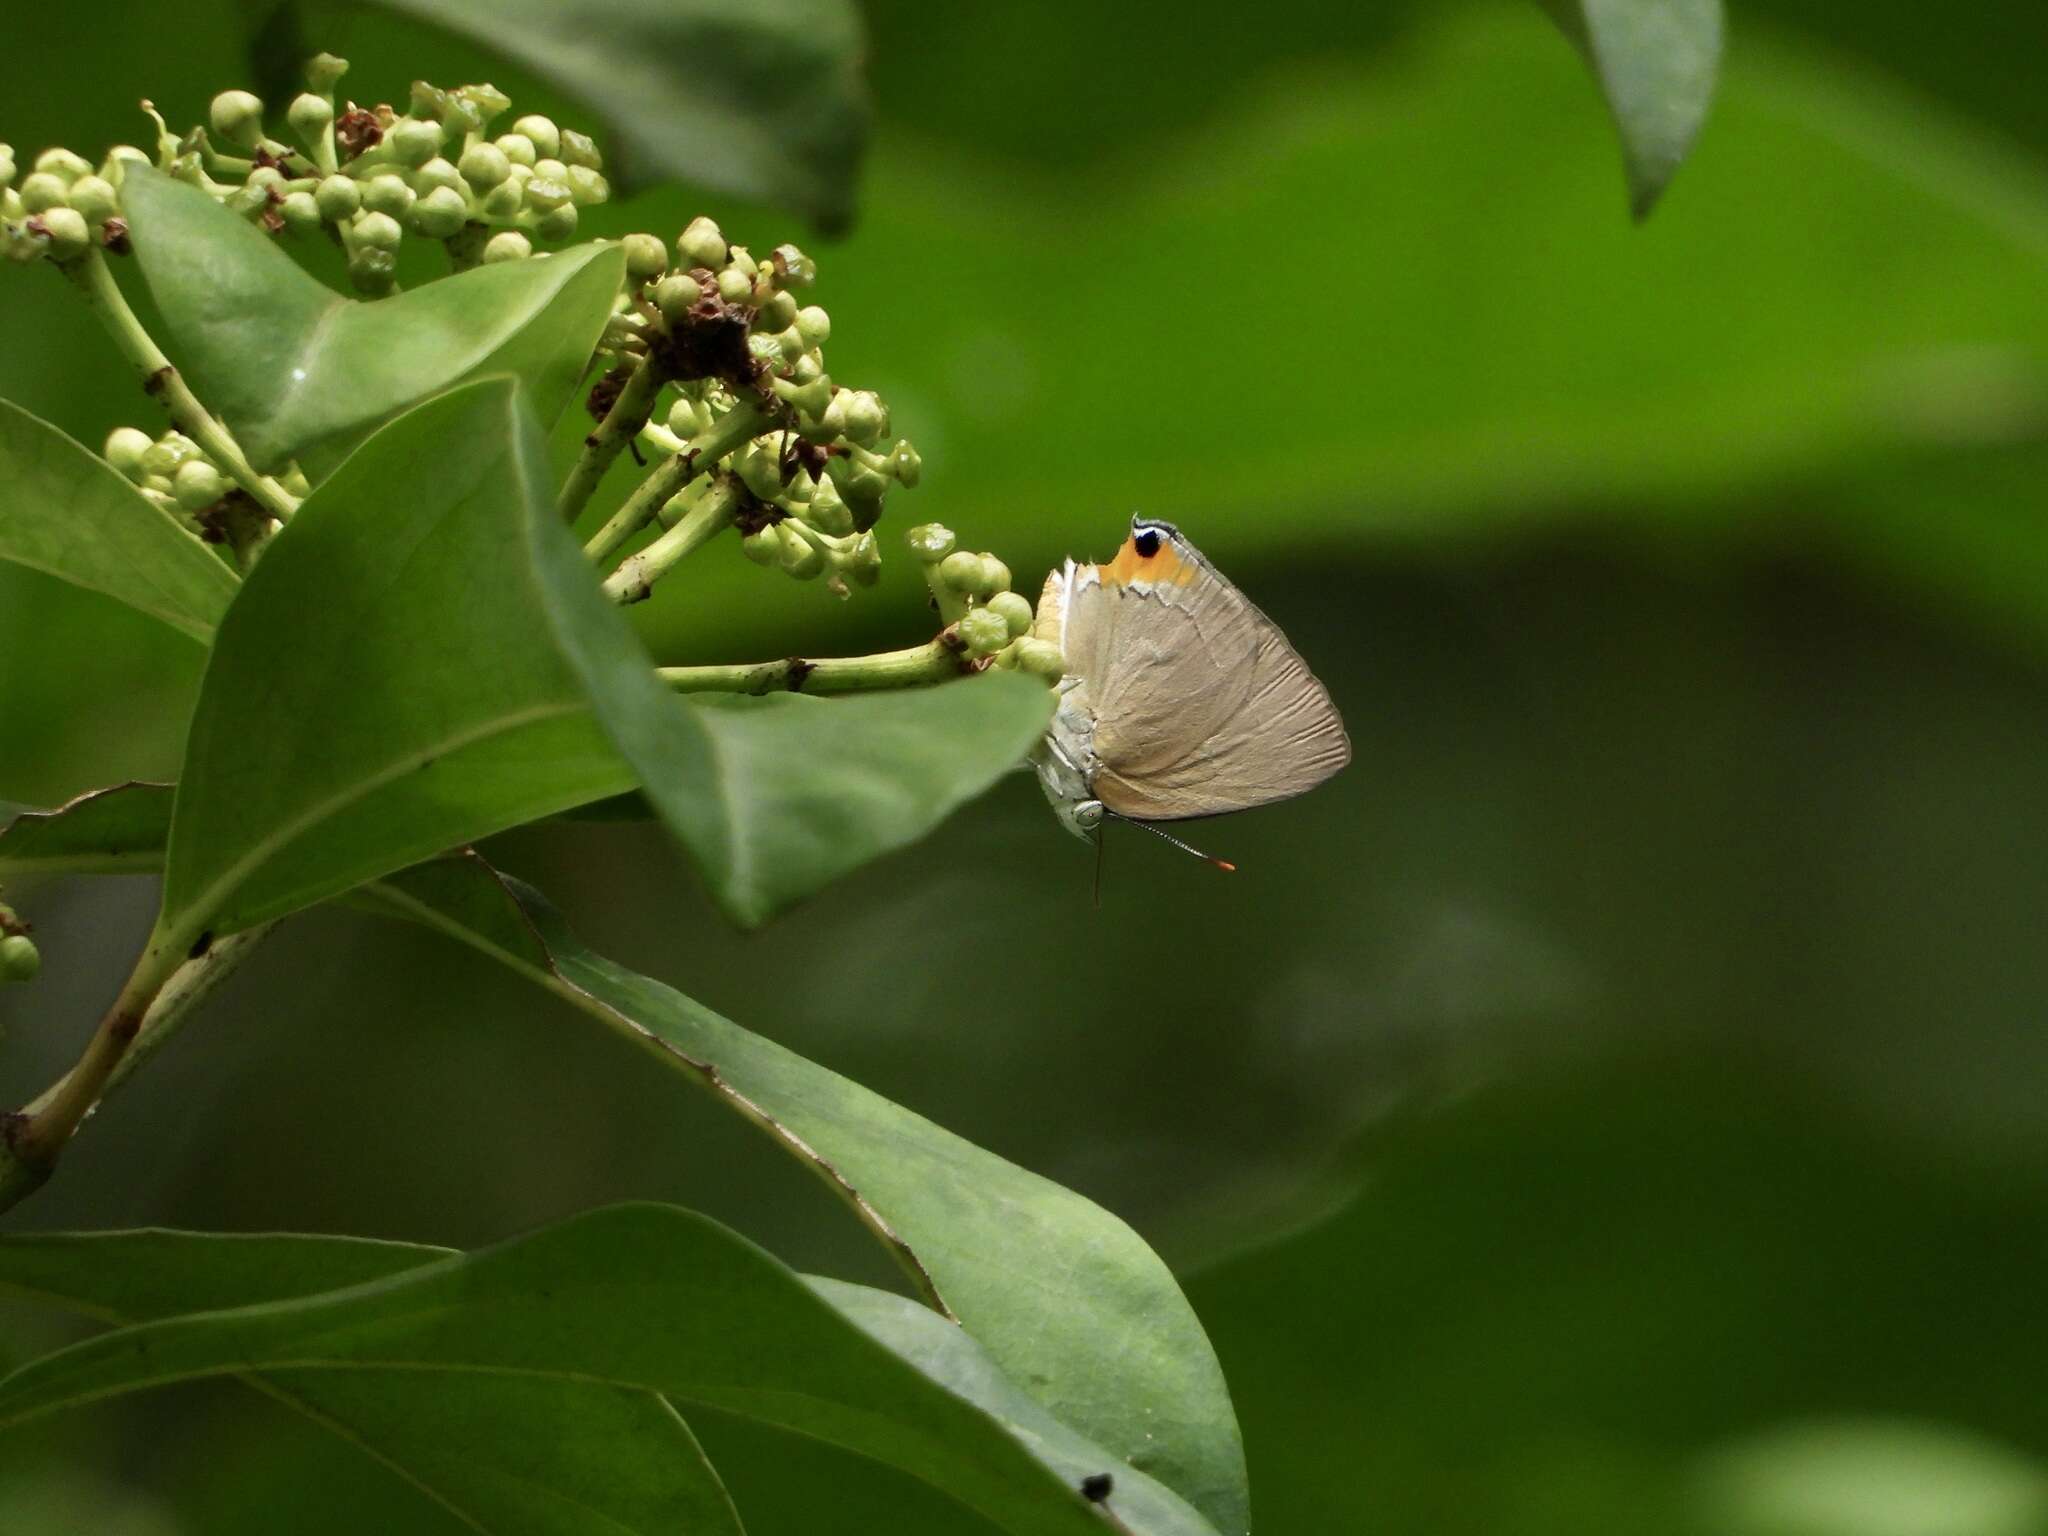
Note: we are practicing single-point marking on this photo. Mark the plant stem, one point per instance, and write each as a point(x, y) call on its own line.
point(917, 667)
point(671, 475)
point(159, 379)
point(621, 424)
point(634, 580)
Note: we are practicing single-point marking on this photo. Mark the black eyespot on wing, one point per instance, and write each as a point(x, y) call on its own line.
point(1146, 542)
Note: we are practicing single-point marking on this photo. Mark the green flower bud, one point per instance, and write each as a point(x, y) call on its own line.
point(760, 469)
point(541, 132)
point(440, 214)
point(19, 958)
point(69, 234)
point(237, 116)
point(63, 164)
point(1015, 609)
point(778, 313)
point(387, 194)
point(414, 141)
point(828, 512)
point(339, 198)
point(588, 187)
point(294, 480)
point(686, 419)
point(115, 165)
point(862, 418)
point(701, 244)
point(961, 572)
point(733, 288)
point(556, 223)
point(324, 71)
point(125, 449)
point(198, 484)
point(300, 212)
point(810, 398)
point(930, 542)
point(864, 562)
point(646, 257)
point(504, 201)
point(508, 245)
point(311, 117)
point(544, 194)
point(675, 294)
point(488, 100)
point(7, 166)
point(378, 231)
point(484, 166)
point(800, 558)
point(40, 192)
point(792, 268)
point(904, 464)
point(763, 547)
point(168, 454)
point(436, 174)
point(983, 631)
point(95, 199)
point(578, 149)
point(158, 488)
point(995, 577)
point(1040, 658)
point(265, 179)
point(373, 269)
point(517, 148)
point(815, 325)
point(551, 168)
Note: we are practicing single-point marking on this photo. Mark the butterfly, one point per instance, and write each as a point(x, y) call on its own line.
point(1180, 698)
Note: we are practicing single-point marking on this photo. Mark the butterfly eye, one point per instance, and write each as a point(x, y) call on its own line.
point(1146, 542)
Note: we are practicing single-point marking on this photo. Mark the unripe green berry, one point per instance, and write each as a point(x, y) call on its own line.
point(373, 269)
point(542, 133)
point(378, 231)
point(995, 577)
point(763, 547)
point(339, 198)
point(61, 163)
point(125, 449)
point(588, 187)
point(815, 325)
point(69, 234)
point(961, 572)
point(646, 257)
point(1015, 609)
point(578, 149)
point(41, 191)
point(387, 194)
point(792, 268)
point(984, 632)
point(701, 244)
point(198, 484)
point(237, 116)
point(484, 166)
point(168, 454)
point(440, 214)
point(556, 223)
point(734, 288)
point(517, 148)
point(414, 141)
point(800, 558)
point(310, 116)
point(19, 958)
point(930, 542)
point(95, 198)
point(300, 212)
point(507, 245)
point(1040, 658)
point(324, 71)
point(435, 174)
point(675, 295)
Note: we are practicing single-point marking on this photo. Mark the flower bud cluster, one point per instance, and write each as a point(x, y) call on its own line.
point(19, 958)
point(972, 591)
point(729, 328)
point(175, 474)
point(367, 177)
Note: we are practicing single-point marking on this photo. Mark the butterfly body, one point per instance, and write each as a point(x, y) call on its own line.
point(1180, 698)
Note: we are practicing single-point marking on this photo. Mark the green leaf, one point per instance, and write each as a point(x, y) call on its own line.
point(804, 789)
point(299, 372)
point(1065, 1297)
point(118, 830)
point(1657, 61)
point(66, 511)
point(665, 1301)
point(767, 102)
point(412, 665)
point(506, 1455)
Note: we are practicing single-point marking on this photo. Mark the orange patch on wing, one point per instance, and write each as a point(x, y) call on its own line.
point(1163, 566)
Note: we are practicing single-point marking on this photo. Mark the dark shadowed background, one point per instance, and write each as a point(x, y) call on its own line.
point(1618, 1103)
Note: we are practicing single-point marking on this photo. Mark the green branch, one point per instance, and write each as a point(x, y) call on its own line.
point(634, 580)
point(919, 666)
point(671, 475)
point(621, 424)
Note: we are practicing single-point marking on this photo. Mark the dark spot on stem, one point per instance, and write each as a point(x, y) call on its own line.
point(200, 945)
point(160, 381)
point(125, 1026)
point(114, 236)
point(799, 673)
point(1097, 1486)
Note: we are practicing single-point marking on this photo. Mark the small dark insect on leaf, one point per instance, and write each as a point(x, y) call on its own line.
point(1097, 1486)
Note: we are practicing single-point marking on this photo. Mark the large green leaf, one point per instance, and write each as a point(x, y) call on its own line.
point(1656, 61)
point(765, 101)
point(663, 1300)
point(398, 677)
point(506, 1455)
point(804, 789)
point(298, 371)
point(1064, 1296)
point(67, 511)
point(114, 831)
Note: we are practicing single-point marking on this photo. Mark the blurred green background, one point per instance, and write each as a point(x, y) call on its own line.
point(1615, 1104)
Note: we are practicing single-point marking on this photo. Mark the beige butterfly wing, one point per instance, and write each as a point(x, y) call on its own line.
point(1200, 705)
